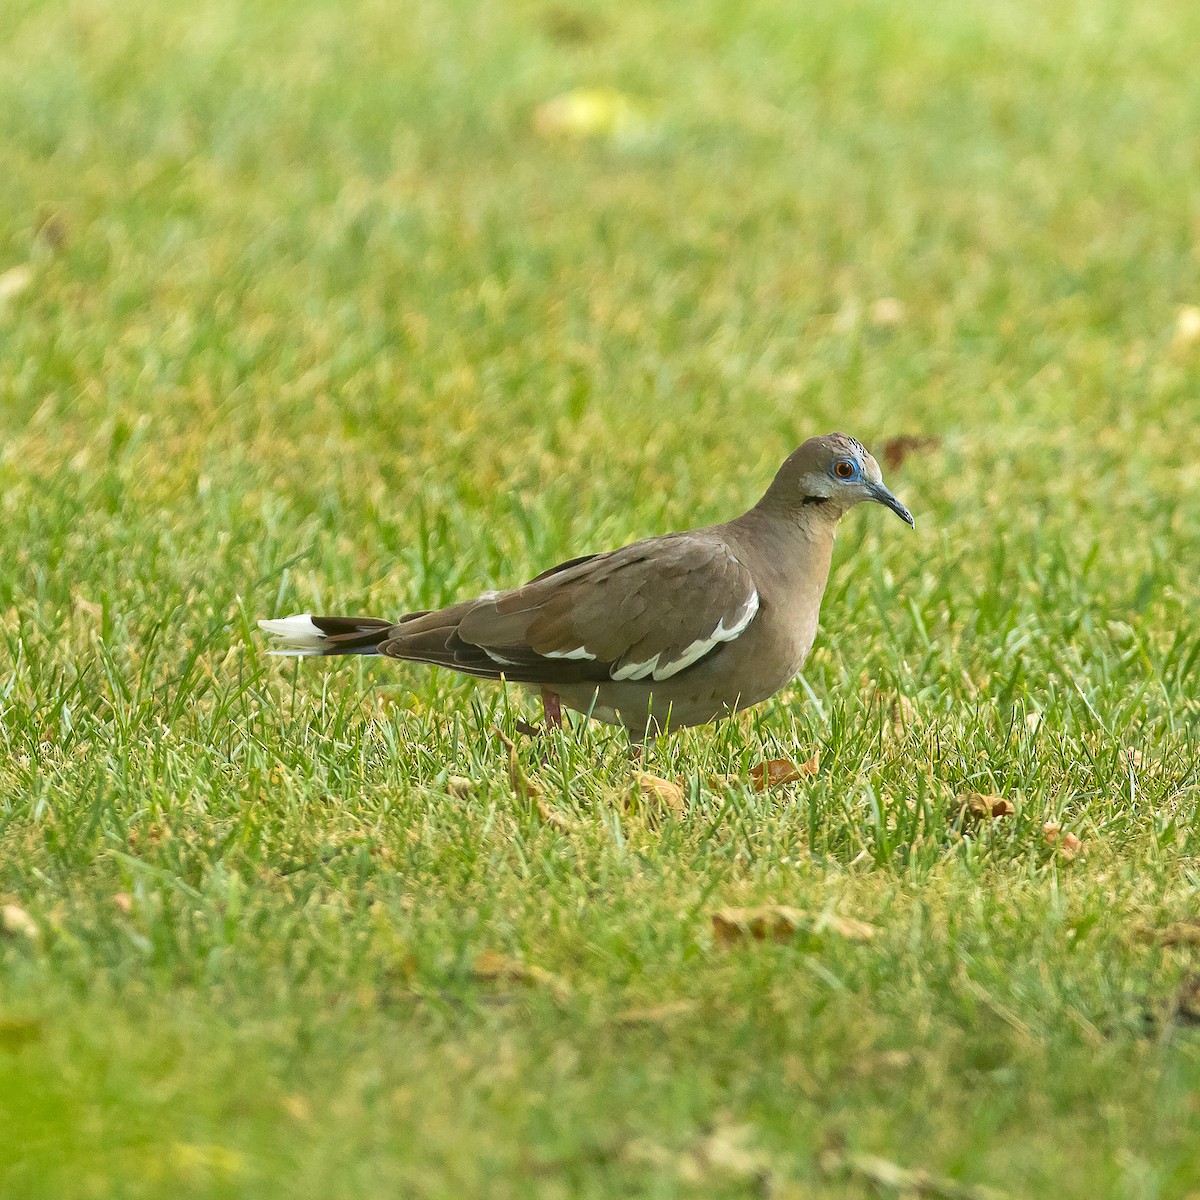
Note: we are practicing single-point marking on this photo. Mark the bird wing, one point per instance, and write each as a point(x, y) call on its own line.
point(646, 612)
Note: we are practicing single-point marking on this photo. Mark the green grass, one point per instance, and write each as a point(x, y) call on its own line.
point(316, 320)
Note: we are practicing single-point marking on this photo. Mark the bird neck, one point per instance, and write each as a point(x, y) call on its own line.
point(795, 544)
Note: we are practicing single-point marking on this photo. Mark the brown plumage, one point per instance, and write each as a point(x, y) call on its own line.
point(674, 630)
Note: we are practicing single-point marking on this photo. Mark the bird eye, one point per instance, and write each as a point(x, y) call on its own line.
point(844, 469)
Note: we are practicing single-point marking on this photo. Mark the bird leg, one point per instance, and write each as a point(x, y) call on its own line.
point(552, 707)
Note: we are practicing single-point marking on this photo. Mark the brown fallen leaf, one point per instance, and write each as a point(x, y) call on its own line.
point(1179, 933)
point(16, 1032)
point(1070, 847)
point(775, 772)
point(896, 450)
point(571, 27)
point(16, 922)
point(886, 1175)
point(490, 966)
point(123, 901)
point(552, 817)
point(51, 229)
point(903, 714)
point(780, 923)
point(1187, 1000)
point(654, 797)
point(973, 807)
point(774, 922)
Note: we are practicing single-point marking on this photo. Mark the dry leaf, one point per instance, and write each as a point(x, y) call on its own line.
point(524, 788)
point(297, 1107)
point(887, 311)
point(494, 967)
point(885, 1175)
point(1187, 1001)
point(1070, 847)
point(1187, 326)
point(552, 817)
point(657, 1013)
point(903, 715)
point(14, 281)
point(726, 1151)
point(199, 1161)
point(52, 230)
point(1033, 721)
point(846, 927)
point(780, 923)
point(655, 797)
point(776, 922)
point(585, 113)
point(1135, 757)
point(974, 807)
point(459, 787)
point(570, 26)
point(16, 1032)
point(1179, 933)
point(775, 772)
point(16, 921)
point(1050, 831)
point(124, 901)
point(896, 450)
point(723, 1152)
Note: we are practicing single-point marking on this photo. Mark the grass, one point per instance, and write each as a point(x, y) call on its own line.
point(315, 319)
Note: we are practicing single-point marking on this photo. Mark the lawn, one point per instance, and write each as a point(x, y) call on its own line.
point(311, 306)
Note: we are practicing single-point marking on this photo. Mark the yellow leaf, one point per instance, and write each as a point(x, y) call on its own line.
point(582, 113)
point(1187, 326)
point(493, 967)
point(887, 311)
point(203, 1160)
point(14, 281)
point(16, 921)
point(655, 797)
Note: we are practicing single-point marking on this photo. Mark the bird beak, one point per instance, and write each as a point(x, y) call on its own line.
point(881, 495)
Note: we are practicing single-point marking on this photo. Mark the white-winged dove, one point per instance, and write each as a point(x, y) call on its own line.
point(674, 630)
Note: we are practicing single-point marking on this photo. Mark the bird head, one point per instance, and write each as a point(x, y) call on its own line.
point(832, 474)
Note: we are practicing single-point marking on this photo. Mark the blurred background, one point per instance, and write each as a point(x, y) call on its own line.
point(363, 306)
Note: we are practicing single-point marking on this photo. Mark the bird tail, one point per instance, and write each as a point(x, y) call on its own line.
point(305, 635)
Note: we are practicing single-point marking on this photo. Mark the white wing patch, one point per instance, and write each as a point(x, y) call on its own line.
point(295, 635)
point(580, 652)
point(696, 651)
point(499, 658)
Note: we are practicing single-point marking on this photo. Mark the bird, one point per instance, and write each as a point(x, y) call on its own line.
point(675, 630)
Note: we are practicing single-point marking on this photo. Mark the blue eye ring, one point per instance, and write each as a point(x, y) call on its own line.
point(845, 469)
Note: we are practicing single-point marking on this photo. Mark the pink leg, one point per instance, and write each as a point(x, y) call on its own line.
point(552, 707)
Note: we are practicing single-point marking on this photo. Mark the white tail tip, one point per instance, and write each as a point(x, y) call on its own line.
point(295, 635)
